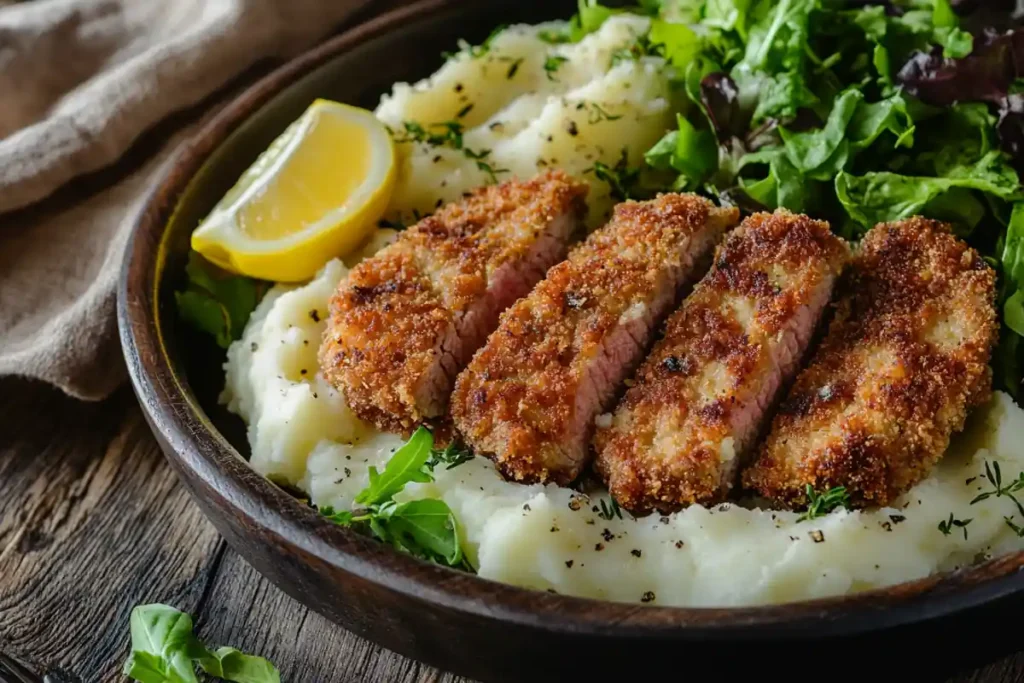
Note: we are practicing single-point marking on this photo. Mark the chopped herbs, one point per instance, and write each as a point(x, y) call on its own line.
point(452, 455)
point(487, 168)
point(164, 649)
point(449, 134)
point(820, 504)
point(423, 528)
point(552, 64)
point(610, 511)
point(513, 69)
point(621, 179)
point(597, 114)
point(947, 526)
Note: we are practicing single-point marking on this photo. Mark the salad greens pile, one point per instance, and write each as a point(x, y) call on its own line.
point(423, 528)
point(854, 112)
point(164, 650)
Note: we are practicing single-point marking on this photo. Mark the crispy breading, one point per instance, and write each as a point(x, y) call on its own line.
point(699, 399)
point(529, 396)
point(405, 321)
point(904, 359)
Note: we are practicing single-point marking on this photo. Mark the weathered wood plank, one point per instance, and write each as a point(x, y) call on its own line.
point(245, 611)
point(92, 522)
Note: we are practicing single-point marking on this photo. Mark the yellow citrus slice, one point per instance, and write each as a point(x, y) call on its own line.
point(315, 194)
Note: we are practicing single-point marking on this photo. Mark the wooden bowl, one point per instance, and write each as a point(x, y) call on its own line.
point(447, 618)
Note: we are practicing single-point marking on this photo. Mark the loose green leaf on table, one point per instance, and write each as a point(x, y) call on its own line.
point(165, 650)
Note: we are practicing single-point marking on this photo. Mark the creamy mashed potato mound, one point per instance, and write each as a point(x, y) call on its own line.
point(579, 111)
point(586, 110)
point(303, 434)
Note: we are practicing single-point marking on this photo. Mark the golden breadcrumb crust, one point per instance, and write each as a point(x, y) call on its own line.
point(395, 310)
point(904, 359)
point(694, 403)
point(517, 399)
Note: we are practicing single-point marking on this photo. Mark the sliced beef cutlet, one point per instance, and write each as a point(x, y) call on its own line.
point(904, 359)
point(406, 321)
point(529, 397)
point(681, 431)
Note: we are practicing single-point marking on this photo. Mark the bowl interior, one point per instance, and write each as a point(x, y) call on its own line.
point(357, 77)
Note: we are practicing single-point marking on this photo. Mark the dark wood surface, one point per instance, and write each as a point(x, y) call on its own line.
point(93, 522)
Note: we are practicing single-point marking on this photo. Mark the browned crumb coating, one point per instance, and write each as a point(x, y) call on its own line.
point(529, 396)
point(904, 360)
point(406, 320)
point(695, 409)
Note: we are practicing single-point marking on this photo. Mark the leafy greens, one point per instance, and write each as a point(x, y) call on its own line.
point(424, 528)
point(165, 650)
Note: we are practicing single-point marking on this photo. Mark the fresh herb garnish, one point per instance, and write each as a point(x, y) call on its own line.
point(165, 650)
point(452, 455)
point(820, 504)
point(621, 179)
point(217, 302)
point(449, 135)
point(947, 526)
point(552, 64)
point(610, 511)
point(478, 157)
point(995, 477)
point(597, 114)
point(423, 528)
point(513, 68)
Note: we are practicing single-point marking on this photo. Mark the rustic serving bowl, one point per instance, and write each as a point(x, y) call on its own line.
point(447, 618)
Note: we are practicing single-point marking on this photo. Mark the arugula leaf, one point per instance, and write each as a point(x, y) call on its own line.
point(216, 302)
point(885, 196)
point(1012, 256)
point(165, 650)
point(1013, 312)
point(589, 18)
point(234, 665)
point(427, 524)
point(680, 44)
point(808, 151)
point(405, 466)
point(783, 186)
point(874, 118)
point(690, 151)
point(424, 528)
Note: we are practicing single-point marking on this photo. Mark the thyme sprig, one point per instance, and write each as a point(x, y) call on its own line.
point(820, 504)
point(995, 478)
point(947, 526)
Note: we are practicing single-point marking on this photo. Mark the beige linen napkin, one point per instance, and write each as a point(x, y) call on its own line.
point(94, 97)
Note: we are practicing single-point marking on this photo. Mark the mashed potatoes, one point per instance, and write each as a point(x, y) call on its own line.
point(579, 111)
point(533, 105)
point(552, 538)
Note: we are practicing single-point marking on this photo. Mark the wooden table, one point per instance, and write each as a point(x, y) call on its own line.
point(93, 522)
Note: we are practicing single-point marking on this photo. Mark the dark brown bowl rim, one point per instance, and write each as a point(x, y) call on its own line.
point(195, 445)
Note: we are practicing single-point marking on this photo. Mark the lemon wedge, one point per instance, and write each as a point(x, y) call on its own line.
point(314, 194)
